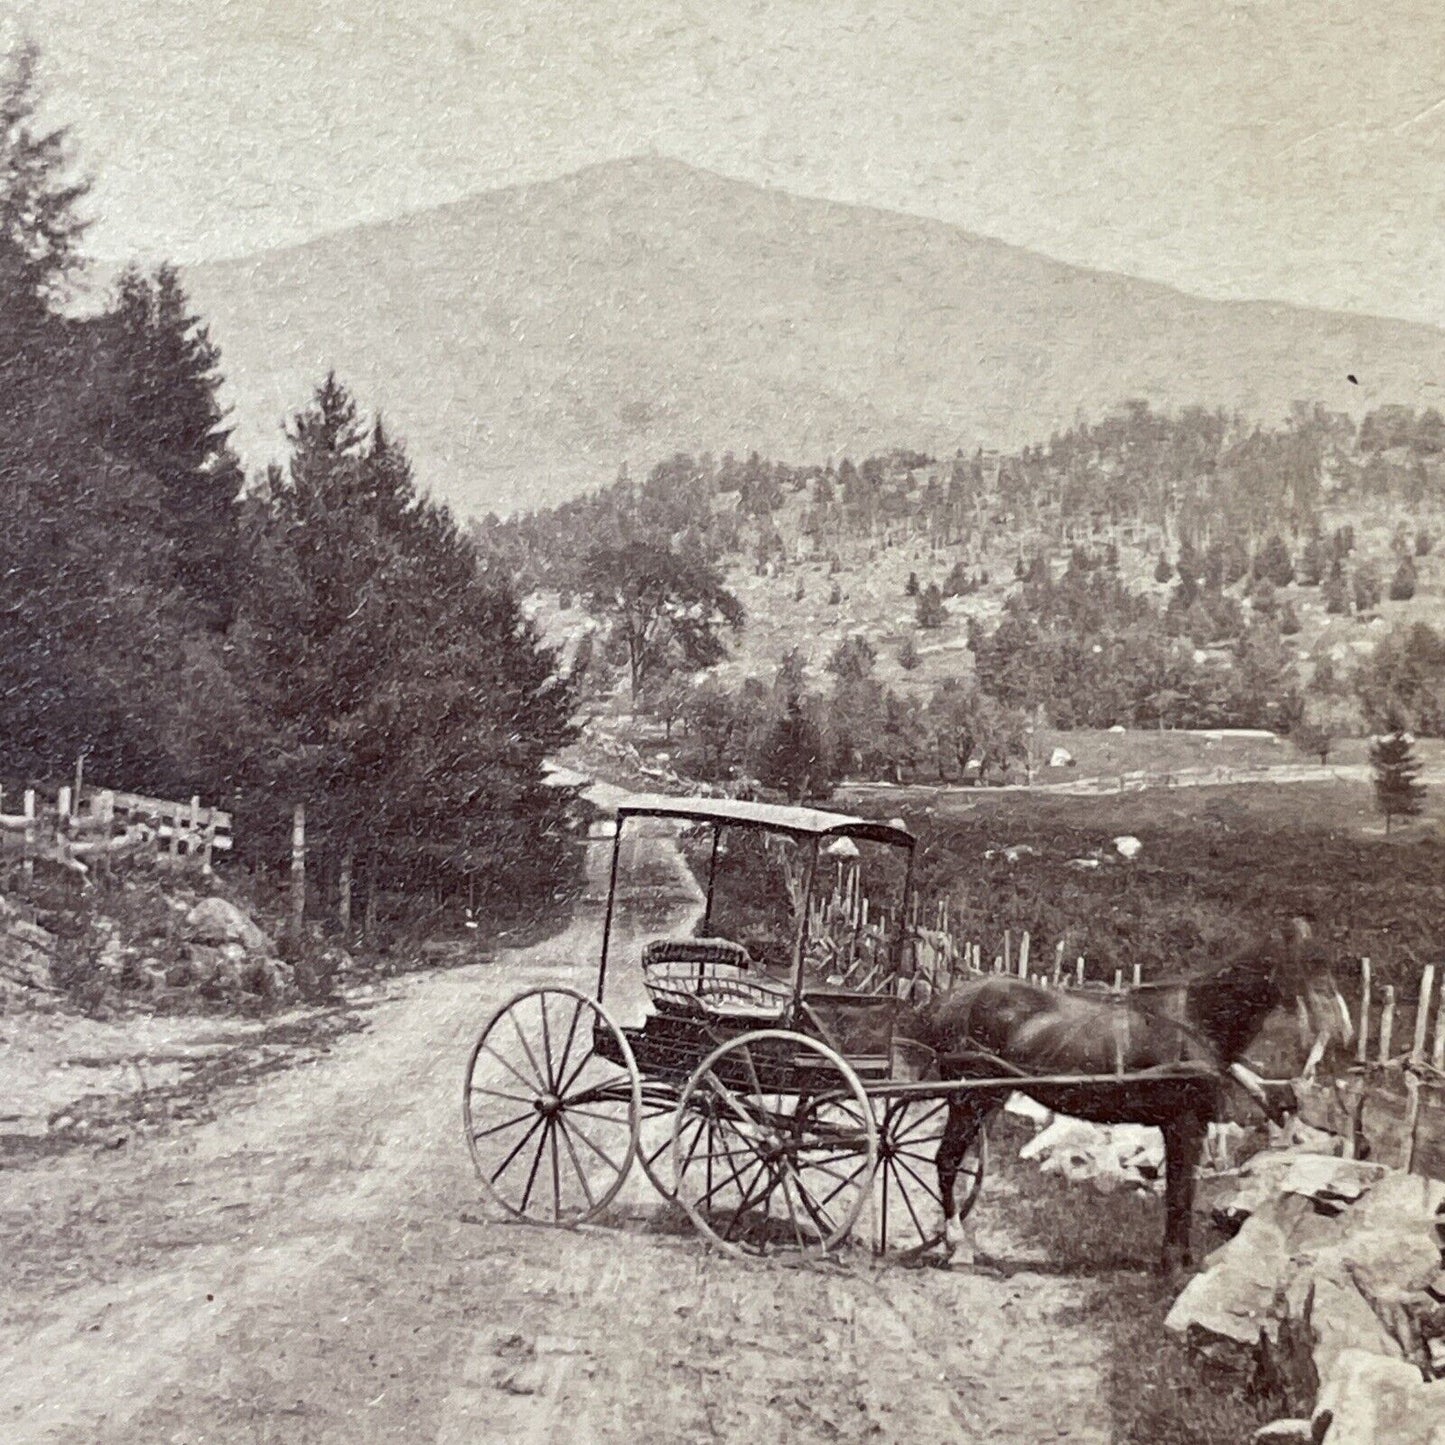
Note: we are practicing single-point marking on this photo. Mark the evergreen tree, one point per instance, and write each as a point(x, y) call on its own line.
point(1336, 591)
point(908, 655)
point(159, 410)
point(1402, 584)
point(1398, 791)
point(409, 701)
point(40, 227)
point(930, 609)
point(792, 758)
point(1367, 588)
point(1313, 561)
point(1162, 570)
point(1274, 562)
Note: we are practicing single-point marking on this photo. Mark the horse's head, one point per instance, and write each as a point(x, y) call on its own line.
point(1303, 980)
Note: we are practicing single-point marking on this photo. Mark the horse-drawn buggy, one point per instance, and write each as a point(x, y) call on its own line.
point(783, 1076)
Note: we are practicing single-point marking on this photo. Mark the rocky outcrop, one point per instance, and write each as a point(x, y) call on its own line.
point(1356, 1249)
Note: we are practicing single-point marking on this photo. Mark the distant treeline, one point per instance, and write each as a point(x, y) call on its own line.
point(1200, 476)
point(323, 635)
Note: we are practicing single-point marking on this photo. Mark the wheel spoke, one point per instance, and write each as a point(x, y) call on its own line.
point(510, 1124)
point(536, 1162)
point(602, 1154)
point(535, 1086)
point(502, 1094)
point(931, 1190)
point(576, 1165)
point(547, 1044)
point(907, 1200)
point(517, 1149)
point(567, 1047)
point(544, 1083)
point(556, 1174)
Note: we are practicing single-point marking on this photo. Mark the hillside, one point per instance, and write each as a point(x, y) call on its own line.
point(527, 341)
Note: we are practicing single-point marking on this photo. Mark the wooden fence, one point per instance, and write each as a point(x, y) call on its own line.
point(1388, 1101)
point(77, 831)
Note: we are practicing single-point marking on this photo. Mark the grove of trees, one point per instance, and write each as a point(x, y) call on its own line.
point(324, 634)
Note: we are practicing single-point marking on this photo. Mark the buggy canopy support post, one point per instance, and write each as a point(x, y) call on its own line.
point(711, 880)
point(611, 901)
point(800, 939)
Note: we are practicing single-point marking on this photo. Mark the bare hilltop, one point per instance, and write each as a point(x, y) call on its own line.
point(528, 341)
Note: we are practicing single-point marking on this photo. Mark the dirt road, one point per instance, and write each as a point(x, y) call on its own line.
point(317, 1265)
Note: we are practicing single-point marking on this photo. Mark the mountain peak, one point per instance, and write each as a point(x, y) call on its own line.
point(527, 341)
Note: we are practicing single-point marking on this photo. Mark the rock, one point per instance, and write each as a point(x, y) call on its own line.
point(1285, 1432)
point(1233, 1297)
point(217, 921)
point(30, 933)
point(1369, 1400)
point(1128, 846)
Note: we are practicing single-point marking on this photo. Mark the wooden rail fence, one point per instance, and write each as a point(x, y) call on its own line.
point(77, 830)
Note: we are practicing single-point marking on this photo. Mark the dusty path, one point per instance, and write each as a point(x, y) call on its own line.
point(317, 1266)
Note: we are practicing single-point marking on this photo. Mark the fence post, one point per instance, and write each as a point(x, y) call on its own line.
point(1422, 1014)
point(1079, 971)
point(1437, 1049)
point(28, 867)
point(298, 868)
point(344, 895)
point(1387, 1023)
point(105, 802)
point(193, 825)
point(1362, 1043)
point(1024, 955)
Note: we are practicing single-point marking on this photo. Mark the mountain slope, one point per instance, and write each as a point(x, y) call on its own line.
point(527, 341)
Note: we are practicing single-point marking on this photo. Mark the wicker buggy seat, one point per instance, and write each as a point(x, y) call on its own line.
point(709, 974)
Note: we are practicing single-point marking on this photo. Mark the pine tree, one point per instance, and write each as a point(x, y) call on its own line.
point(159, 409)
point(1402, 584)
point(410, 702)
point(1398, 791)
point(40, 228)
point(908, 655)
point(1336, 591)
point(1162, 570)
point(793, 755)
point(930, 609)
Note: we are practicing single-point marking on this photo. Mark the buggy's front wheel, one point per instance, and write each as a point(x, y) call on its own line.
point(551, 1104)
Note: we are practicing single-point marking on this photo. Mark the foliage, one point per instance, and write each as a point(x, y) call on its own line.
point(930, 607)
point(1402, 584)
point(1403, 680)
point(1398, 791)
point(666, 606)
point(403, 693)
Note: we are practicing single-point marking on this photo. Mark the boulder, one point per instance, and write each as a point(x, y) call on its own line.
point(216, 921)
point(1370, 1400)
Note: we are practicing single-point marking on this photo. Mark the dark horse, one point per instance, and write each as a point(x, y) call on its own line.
point(1199, 1028)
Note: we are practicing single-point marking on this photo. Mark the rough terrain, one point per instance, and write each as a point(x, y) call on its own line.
point(316, 1264)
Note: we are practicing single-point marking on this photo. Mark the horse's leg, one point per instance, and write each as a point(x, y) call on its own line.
point(1183, 1145)
point(965, 1118)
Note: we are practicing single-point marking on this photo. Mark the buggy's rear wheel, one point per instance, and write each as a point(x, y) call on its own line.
point(774, 1145)
point(909, 1204)
point(552, 1103)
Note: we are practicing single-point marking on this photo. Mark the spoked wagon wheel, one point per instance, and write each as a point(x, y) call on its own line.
point(551, 1105)
point(774, 1145)
point(910, 1207)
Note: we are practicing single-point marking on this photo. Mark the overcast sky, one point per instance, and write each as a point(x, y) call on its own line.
point(1284, 148)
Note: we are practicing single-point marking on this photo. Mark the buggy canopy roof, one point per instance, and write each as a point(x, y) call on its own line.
point(730, 812)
